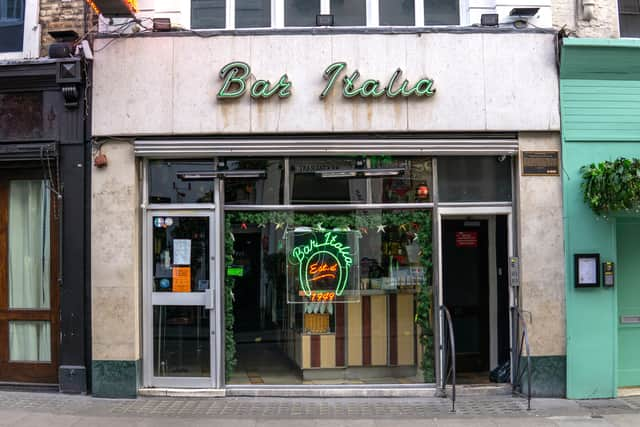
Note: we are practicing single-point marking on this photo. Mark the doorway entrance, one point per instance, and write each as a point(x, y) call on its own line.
point(628, 272)
point(475, 290)
point(28, 280)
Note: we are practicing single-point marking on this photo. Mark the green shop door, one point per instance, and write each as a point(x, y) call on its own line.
point(628, 283)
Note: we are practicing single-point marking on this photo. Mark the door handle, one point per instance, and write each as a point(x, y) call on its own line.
point(209, 302)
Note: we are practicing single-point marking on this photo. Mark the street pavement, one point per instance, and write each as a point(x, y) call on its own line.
point(27, 409)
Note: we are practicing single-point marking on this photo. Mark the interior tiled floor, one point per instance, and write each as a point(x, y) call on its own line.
point(262, 362)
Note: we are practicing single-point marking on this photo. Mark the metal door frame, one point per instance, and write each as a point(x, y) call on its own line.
point(472, 210)
point(212, 299)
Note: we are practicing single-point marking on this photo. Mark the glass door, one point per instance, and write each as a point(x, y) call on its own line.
point(28, 280)
point(180, 331)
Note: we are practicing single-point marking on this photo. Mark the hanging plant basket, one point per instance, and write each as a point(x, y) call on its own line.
point(612, 186)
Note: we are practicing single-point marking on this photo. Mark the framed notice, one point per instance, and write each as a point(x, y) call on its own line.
point(540, 163)
point(587, 270)
point(466, 239)
point(181, 279)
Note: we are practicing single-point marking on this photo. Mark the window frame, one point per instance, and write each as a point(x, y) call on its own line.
point(372, 18)
point(30, 35)
point(622, 13)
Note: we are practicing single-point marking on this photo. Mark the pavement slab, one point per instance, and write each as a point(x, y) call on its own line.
point(26, 409)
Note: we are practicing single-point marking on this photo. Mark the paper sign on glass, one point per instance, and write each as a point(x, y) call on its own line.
point(587, 270)
point(181, 251)
point(181, 279)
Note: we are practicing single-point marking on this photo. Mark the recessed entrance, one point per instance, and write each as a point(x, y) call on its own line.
point(475, 290)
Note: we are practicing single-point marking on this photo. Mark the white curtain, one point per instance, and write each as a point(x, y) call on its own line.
point(29, 267)
point(30, 341)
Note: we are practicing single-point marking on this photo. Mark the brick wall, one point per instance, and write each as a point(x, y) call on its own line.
point(569, 13)
point(60, 15)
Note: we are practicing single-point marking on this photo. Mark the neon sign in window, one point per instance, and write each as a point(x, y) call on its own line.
point(322, 266)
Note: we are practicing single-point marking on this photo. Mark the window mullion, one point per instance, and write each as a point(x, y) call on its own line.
point(373, 13)
point(230, 14)
point(325, 6)
point(277, 20)
point(419, 13)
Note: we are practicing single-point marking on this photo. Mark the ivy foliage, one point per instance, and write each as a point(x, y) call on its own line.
point(410, 220)
point(229, 319)
point(612, 186)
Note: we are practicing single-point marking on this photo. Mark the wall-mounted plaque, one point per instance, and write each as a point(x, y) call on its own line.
point(540, 163)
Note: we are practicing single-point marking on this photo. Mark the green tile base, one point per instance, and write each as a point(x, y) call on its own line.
point(116, 378)
point(548, 376)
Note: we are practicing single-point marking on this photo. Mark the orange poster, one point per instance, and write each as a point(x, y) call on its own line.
point(181, 279)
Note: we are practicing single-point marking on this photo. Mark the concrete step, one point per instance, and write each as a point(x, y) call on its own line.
point(481, 389)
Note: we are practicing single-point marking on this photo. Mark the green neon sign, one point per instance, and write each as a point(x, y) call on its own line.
point(323, 261)
point(235, 75)
point(373, 88)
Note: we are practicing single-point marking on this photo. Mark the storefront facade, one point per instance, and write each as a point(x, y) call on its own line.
point(44, 318)
point(600, 126)
point(290, 210)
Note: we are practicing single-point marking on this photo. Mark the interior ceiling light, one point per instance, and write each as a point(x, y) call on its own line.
point(115, 8)
point(360, 173)
point(210, 175)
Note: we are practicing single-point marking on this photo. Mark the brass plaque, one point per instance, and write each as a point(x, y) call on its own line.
point(540, 163)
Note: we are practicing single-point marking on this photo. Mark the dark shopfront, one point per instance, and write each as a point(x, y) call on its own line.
point(44, 321)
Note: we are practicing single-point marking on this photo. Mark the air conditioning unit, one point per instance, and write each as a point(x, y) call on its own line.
point(115, 8)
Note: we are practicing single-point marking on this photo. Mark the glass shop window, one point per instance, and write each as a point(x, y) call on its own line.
point(295, 326)
point(253, 13)
point(11, 25)
point(397, 12)
point(180, 254)
point(207, 14)
point(301, 13)
point(349, 12)
point(441, 12)
point(251, 191)
point(166, 187)
point(327, 180)
point(413, 185)
point(474, 179)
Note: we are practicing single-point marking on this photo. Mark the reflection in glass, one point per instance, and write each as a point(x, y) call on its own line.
point(308, 187)
point(349, 12)
point(370, 340)
point(166, 187)
point(441, 12)
point(29, 244)
point(397, 12)
point(29, 341)
point(181, 341)
point(474, 179)
point(11, 25)
point(207, 14)
point(242, 191)
point(301, 13)
point(253, 13)
point(180, 254)
point(414, 186)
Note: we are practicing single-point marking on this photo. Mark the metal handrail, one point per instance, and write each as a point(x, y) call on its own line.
point(524, 338)
point(451, 372)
